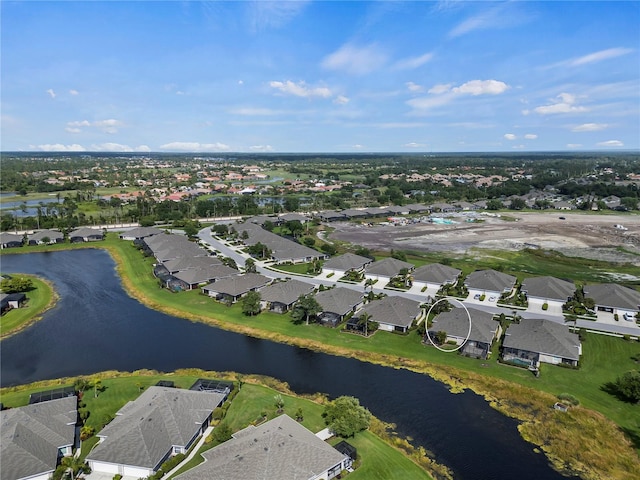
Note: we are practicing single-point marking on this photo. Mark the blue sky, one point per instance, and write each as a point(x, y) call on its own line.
point(332, 76)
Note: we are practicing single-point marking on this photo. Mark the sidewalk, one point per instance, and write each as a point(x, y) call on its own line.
point(193, 453)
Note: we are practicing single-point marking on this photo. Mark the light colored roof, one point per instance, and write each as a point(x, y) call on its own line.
point(86, 232)
point(285, 292)
point(30, 436)
point(613, 295)
point(346, 262)
point(353, 212)
point(435, 273)
point(145, 430)
point(6, 237)
point(205, 273)
point(543, 336)
point(339, 300)
point(185, 263)
point(548, 287)
point(389, 267)
point(490, 280)
point(287, 217)
point(282, 249)
point(278, 449)
point(141, 232)
point(456, 324)
point(238, 284)
point(393, 310)
point(52, 234)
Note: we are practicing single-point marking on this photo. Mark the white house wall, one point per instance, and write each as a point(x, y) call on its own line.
point(104, 467)
point(136, 472)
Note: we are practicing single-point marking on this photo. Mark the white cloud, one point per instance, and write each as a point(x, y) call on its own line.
point(414, 87)
point(531, 136)
point(357, 146)
point(73, 130)
point(510, 136)
point(599, 56)
point(80, 123)
point(589, 127)
point(440, 88)
point(574, 145)
point(58, 147)
point(254, 111)
point(565, 104)
point(300, 89)
point(482, 87)
point(341, 100)
point(610, 143)
point(415, 145)
point(73, 92)
point(519, 147)
point(261, 148)
point(117, 147)
point(110, 125)
point(413, 62)
point(51, 93)
point(196, 147)
point(355, 60)
point(240, 82)
point(444, 94)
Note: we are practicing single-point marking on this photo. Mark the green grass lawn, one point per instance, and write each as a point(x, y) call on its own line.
point(300, 268)
point(38, 300)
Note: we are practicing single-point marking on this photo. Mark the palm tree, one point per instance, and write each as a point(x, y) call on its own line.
point(74, 466)
point(364, 320)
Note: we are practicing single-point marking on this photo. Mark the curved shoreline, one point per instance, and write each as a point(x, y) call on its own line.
point(561, 436)
point(35, 316)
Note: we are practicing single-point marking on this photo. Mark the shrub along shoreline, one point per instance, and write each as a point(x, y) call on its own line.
point(562, 436)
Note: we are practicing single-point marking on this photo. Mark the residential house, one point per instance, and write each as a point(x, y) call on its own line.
point(11, 300)
point(352, 213)
point(343, 264)
point(46, 237)
point(378, 211)
point(9, 240)
point(185, 263)
point(330, 216)
point(193, 277)
point(140, 233)
point(279, 297)
point(86, 234)
point(146, 432)
point(490, 283)
point(475, 330)
point(547, 290)
point(533, 341)
point(232, 288)
point(34, 438)
point(282, 249)
point(393, 313)
point(417, 208)
point(434, 276)
point(615, 299)
point(443, 208)
point(337, 303)
point(384, 270)
point(279, 449)
point(289, 217)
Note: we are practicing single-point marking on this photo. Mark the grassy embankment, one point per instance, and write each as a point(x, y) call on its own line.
point(514, 391)
point(381, 457)
point(39, 300)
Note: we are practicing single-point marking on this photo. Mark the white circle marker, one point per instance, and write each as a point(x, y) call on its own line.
point(468, 333)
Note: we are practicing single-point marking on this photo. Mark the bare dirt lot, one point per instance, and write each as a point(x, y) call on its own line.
point(574, 234)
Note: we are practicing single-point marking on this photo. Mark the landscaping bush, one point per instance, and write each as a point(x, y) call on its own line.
point(568, 398)
point(217, 414)
point(545, 306)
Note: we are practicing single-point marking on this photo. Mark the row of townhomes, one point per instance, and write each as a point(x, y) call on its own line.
point(161, 423)
point(49, 237)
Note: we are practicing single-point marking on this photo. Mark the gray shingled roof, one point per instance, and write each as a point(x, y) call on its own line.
point(393, 310)
point(141, 232)
point(543, 336)
point(435, 273)
point(86, 232)
point(490, 280)
point(613, 295)
point(354, 213)
point(185, 263)
point(388, 267)
point(347, 262)
point(145, 430)
point(339, 300)
point(205, 273)
point(278, 449)
point(52, 234)
point(456, 324)
point(285, 292)
point(31, 436)
point(287, 217)
point(548, 287)
point(6, 237)
point(282, 249)
point(238, 284)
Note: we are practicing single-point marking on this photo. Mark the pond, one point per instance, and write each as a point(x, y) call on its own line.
point(95, 327)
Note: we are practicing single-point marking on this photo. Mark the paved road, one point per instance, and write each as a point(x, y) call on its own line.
point(261, 267)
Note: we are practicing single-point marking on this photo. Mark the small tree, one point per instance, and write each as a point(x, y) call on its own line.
point(250, 265)
point(628, 385)
point(305, 307)
point(16, 284)
point(346, 417)
point(363, 321)
point(251, 303)
point(440, 337)
point(299, 415)
point(279, 402)
point(222, 433)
